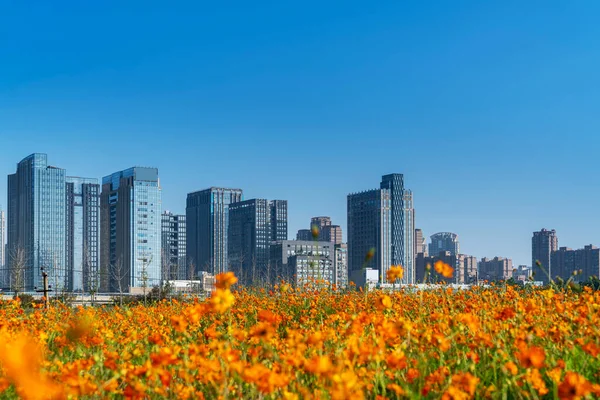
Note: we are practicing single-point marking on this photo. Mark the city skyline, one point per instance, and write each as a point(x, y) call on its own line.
point(484, 107)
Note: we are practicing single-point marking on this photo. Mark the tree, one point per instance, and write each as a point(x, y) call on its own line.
point(18, 261)
point(117, 274)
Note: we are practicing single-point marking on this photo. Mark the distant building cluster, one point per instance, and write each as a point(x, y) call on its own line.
point(113, 236)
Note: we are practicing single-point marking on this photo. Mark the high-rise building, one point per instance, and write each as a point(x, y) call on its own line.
point(36, 224)
point(578, 265)
point(340, 263)
point(3, 271)
point(304, 234)
point(419, 239)
point(83, 234)
point(279, 220)
point(253, 225)
point(130, 229)
point(320, 222)
point(331, 233)
point(369, 231)
point(409, 238)
point(466, 269)
point(543, 243)
point(207, 217)
point(173, 254)
point(495, 269)
point(394, 183)
point(444, 241)
point(300, 262)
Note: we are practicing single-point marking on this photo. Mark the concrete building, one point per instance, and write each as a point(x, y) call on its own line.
point(420, 243)
point(320, 222)
point(83, 234)
point(298, 261)
point(444, 241)
point(543, 243)
point(465, 268)
point(369, 231)
point(130, 229)
point(173, 248)
point(207, 217)
point(340, 264)
point(495, 269)
point(331, 233)
point(586, 262)
point(304, 234)
point(36, 224)
point(522, 273)
point(253, 226)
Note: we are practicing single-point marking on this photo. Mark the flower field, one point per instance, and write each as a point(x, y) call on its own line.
point(496, 342)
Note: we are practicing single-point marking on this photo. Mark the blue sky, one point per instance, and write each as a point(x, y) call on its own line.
point(490, 109)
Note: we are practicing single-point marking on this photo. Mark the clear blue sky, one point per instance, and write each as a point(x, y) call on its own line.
point(490, 109)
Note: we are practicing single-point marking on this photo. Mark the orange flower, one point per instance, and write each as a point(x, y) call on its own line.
point(395, 273)
point(21, 361)
point(225, 280)
point(532, 357)
point(574, 387)
point(318, 365)
point(443, 269)
point(383, 302)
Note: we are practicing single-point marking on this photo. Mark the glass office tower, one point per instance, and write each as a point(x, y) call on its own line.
point(130, 229)
point(36, 224)
point(83, 233)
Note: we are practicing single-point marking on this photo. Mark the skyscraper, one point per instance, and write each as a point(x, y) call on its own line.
point(83, 233)
point(331, 233)
point(320, 222)
point(543, 243)
point(409, 238)
point(586, 262)
point(304, 234)
point(394, 183)
point(444, 241)
point(253, 225)
point(369, 228)
point(130, 208)
point(173, 255)
point(36, 223)
point(207, 217)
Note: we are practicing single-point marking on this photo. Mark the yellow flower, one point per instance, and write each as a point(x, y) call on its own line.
point(221, 300)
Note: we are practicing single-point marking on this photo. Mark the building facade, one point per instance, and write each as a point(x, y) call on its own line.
point(495, 269)
point(340, 264)
point(299, 262)
point(577, 265)
point(173, 253)
point(465, 268)
point(543, 243)
point(304, 234)
point(331, 233)
point(394, 184)
point(369, 231)
point(36, 224)
point(207, 217)
point(444, 241)
point(82, 234)
point(130, 229)
point(253, 226)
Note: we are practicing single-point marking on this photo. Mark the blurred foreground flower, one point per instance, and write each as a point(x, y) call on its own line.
point(443, 269)
point(395, 273)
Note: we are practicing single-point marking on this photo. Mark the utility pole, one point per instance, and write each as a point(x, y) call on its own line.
point(46, 289)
